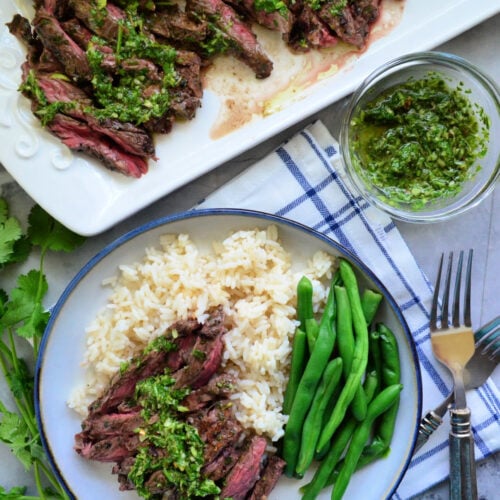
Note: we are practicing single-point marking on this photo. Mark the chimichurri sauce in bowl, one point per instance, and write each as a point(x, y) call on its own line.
point(417, 139)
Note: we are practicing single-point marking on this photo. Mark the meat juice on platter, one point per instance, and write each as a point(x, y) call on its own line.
point(105, 79)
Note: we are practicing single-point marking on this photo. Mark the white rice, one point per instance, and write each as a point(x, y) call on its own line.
point(250, 274)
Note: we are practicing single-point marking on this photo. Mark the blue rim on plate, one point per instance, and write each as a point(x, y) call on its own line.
point(182, 216)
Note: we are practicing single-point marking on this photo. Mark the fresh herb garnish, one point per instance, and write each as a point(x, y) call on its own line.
point(179, 457)
point(270, 6)
point(22, 314)
point(131, 94)
point(44, 109)
point(419, 140)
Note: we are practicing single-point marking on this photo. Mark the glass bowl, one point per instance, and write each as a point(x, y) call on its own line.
point(393, 170)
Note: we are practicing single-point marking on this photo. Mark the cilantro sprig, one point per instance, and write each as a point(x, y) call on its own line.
point(23, 316)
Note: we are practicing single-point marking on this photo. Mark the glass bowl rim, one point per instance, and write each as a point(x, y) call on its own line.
point(398, 65)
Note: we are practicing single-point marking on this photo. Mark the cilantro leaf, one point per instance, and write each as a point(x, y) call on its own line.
point(20, 381)
point(25, 305)
point(14, 433)
point(49, 234)
point(4, 298)
point(10, 233)
point(13, 494)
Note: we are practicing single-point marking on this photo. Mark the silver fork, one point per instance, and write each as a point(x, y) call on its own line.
point(477, 371)
point(453, 345)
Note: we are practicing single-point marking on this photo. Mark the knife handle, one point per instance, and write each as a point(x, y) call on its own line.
point(463, 483)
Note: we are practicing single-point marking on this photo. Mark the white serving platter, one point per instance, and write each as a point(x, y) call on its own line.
point(87, 198)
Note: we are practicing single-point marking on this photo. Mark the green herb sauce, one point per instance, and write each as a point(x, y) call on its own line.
point(270, 6)
point(417, 142)
point(337, 7)
point(182, 449)
point(45, 110)
point(124, 95)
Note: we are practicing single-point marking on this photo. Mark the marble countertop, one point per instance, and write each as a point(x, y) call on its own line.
point(479, 228)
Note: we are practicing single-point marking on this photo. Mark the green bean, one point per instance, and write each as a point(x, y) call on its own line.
point(345, 345)
point(360, 356)
point(359, 404)
point(312, 330)
point(391, 367)
point(328, 411)
point(314, 419)
point(370, 301)
point(380, 404)
point(297, 365)
point(371, 386)
point(391, 374)
point(322, 474)
point(308, 383)
point(299, 351)
point(304, 301)
point(345, 335)
point(374, 355)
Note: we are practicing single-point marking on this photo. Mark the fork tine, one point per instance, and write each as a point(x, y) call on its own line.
point(435, 297)
point(489, 341)
point(486, 331)
point(468, 286)
point(456, 295)
point(446, 293)
point(494, 354)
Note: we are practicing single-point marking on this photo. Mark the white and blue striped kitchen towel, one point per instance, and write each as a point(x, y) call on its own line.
point(299, 181)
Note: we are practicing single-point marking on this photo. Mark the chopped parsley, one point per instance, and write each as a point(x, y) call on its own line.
point(161, 343)
point(337, 7)
point(418, 141)
point(178, 457)
point(201, 355)
point(45, 111)
point(270, 6)
point(129, 94)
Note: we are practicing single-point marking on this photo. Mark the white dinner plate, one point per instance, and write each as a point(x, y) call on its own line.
point(58, 368)
point(87, 198)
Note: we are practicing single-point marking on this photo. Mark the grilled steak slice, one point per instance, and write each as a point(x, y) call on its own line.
point(182, 337)
point(218, 387)
point(77, 31)
point(310, 32)
point(55, 7)
point(109, 449)
point(223, 463)
point(243, 476)
point(20, 27)
point(188, 67)
point(214, 325)
point(100, 426)
point(243, 41)
point(205, 359)
point(78, 136)
point(369, 10)
point(177, 27)
point(217, 428)
point(280, 21)
point(122, 386)
point(55, 39)
point(105, 23)
point(122, 469)
point(352, 25)
point(273, 470)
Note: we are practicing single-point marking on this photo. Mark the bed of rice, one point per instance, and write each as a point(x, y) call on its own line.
point(250, 274)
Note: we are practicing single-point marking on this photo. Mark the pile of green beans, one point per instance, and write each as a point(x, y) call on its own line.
point(344, 386)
